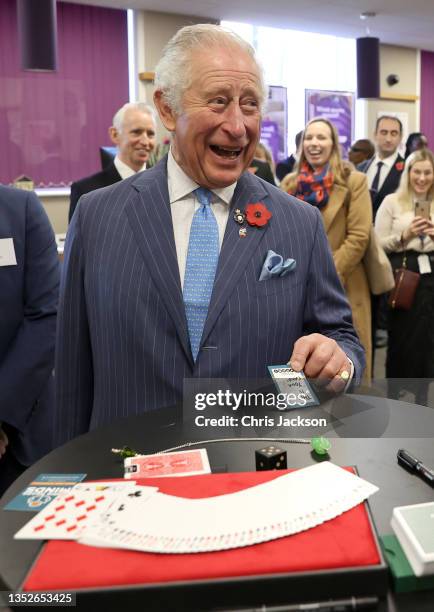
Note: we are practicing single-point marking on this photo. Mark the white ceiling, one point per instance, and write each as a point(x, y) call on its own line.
point(402, 22)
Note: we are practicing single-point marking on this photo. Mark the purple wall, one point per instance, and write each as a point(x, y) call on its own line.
point(52, 124)
point(427, 96)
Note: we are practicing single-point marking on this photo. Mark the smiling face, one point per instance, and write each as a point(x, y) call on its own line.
point(136, 139)
point(317, 144)
point(216, 132)
point(421, 177)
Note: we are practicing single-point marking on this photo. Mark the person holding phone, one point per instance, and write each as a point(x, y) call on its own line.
point(405, 226)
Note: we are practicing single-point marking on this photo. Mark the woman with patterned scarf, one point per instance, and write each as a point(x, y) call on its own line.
point(322, 179)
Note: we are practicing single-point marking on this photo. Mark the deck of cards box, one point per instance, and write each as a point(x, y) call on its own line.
point(213, 540)
point(414, 527)
point(181, 463)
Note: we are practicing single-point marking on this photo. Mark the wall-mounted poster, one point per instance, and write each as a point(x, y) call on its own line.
point(274, 126)
point(338, 107)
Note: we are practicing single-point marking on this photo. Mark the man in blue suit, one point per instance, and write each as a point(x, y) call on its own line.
point(164, 281)
point(29, 281)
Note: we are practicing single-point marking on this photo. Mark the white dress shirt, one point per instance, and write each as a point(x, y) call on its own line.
point(183, 205)
point(124, 170)
point(388, 163)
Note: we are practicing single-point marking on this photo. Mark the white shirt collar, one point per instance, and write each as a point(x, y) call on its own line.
point(387, 161)
point(124, 170)
point(181, 185)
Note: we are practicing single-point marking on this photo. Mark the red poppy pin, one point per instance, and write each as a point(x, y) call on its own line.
point(257, 214)
point(399, 166)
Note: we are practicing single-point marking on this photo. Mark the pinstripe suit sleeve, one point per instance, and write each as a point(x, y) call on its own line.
point(74, 370)
point(327, 309)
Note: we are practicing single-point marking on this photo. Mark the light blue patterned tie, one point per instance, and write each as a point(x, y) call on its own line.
point(201, 266)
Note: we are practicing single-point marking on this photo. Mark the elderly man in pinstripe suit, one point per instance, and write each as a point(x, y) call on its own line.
point(131, 324)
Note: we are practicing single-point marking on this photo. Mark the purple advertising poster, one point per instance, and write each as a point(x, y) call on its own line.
point(274, 123)
point(338, 107)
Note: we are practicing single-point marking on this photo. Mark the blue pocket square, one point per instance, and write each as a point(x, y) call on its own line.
point(275, 266)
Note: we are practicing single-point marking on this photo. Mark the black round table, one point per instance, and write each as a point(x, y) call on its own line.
point(365, 431)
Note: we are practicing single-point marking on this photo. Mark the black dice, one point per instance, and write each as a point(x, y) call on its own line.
point(270, 458)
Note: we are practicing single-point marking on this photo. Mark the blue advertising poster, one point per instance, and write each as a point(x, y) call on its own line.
point(274, 126)
point(41, 491)
point(337, 107)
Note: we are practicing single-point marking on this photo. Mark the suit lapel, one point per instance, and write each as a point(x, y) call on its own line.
point(236, 252)
point(150, 219)
point(112, 175)
point(336, 201)
point(391, 181)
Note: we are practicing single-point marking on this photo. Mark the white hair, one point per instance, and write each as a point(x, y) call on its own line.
point(118, 118)
point(173, 73)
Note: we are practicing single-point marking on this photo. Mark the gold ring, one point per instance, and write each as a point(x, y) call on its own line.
point(344, 375)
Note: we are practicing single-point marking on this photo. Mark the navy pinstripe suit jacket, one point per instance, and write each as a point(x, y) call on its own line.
point(122, 344)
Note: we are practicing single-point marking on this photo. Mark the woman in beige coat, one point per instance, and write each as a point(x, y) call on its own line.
point(321, 178)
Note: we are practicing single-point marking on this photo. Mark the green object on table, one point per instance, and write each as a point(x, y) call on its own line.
point(320, 445)
point(124, 452)
point(403, 577)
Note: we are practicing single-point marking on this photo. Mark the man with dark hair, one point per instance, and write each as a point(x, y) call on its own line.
point(383, 172)
point(384, 169)
point(133, 132)
point(360, 151)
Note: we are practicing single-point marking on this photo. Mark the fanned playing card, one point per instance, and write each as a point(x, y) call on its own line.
point(66, 516)
point(129, 504)
point(286, 505)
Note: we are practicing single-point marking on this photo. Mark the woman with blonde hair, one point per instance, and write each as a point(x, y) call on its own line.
point(405, 226)
point(323, 179)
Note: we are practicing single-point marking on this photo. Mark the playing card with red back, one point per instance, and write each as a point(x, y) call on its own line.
point(181, 463)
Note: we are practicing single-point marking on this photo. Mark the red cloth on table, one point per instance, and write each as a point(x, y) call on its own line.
point(346, 541)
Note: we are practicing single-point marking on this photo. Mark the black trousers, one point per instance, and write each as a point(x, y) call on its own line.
point(10, 469)
point(378, 319)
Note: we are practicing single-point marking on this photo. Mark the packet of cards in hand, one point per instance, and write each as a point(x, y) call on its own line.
point(294, 385)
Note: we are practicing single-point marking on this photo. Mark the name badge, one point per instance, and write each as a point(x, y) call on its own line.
point(424, 264)
point(7, 252)
point(294, 385)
